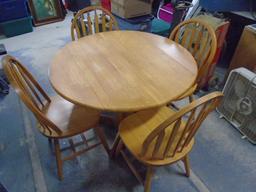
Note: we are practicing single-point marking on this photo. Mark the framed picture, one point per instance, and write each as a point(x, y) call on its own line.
point(45, 11)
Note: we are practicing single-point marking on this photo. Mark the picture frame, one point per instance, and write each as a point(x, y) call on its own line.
point(45, 11)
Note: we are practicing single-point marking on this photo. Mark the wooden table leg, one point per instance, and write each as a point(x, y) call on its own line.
point(114, 146)
point(107, 120)
point(115, 121)
point(119, 147)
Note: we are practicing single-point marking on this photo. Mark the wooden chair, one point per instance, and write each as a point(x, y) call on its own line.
point(159, 137)
point(57, 118)
point(200, 40)
point(91, 20)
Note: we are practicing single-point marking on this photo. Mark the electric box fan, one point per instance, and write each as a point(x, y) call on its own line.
point(239, 103)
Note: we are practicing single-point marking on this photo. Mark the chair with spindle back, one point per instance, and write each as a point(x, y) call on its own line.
point(91, 20)
point(199, 39)
point(57, 118)
point(159, 137)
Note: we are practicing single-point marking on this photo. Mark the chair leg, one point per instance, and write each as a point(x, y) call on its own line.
point(149, 175)
point(119, 148)
point(50, 141)
point(186, 164)
point(51, 145)
point(102, 138)
point(59, 162)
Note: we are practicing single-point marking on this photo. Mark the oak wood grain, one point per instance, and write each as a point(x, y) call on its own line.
point(122, 71)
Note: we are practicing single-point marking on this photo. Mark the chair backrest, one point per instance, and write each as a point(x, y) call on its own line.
point(174, 134)
point(92, 20)
point(30, 92)
point(200, 40)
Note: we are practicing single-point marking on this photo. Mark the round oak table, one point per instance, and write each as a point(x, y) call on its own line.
point(122, 71)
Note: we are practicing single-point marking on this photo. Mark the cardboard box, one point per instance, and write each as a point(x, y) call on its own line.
point(131, 8)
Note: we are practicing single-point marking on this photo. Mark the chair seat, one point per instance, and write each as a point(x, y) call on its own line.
point(69, 118)
point(135, 129)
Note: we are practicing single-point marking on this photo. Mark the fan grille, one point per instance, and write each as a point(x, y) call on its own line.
point(239, 103)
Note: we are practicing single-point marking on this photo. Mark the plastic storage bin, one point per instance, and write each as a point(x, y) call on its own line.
point(13, 9)
point(17, 26)
point(160, 27)
point(166, 13)
point(76, 5)
point(142, 23)
point(228, 5)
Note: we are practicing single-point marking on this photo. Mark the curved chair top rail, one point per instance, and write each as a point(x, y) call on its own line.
point(199, 38)
point(183, 126)
point(90, 20)
point(29, 90)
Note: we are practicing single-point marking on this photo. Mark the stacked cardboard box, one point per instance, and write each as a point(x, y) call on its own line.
point(131, 8)
point(14, 17)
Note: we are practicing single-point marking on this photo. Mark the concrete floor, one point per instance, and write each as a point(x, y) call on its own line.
point(221, 161)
